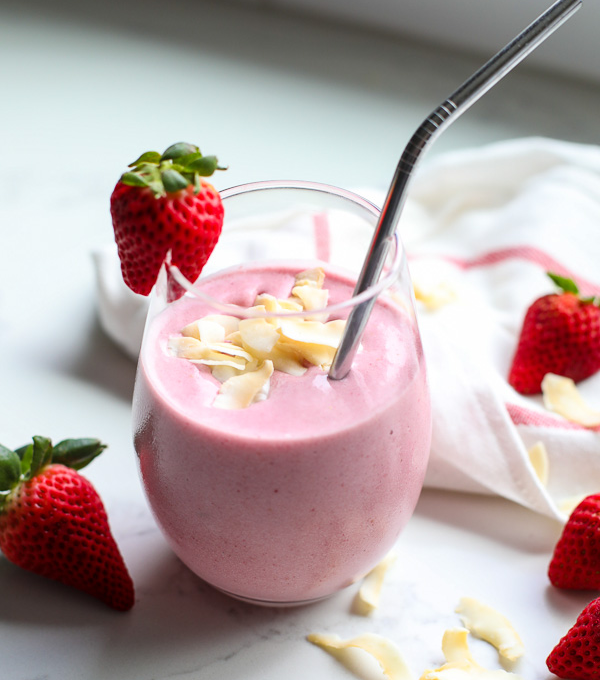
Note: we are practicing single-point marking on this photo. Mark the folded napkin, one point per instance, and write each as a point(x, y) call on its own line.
point(481, 227)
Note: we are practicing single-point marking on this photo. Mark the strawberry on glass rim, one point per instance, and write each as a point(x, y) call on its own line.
point(53, 522)
point(163, 209)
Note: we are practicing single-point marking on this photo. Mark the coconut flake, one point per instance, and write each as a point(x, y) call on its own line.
point(538, 457)
point(491, 626)
point(216, 354)
point(567, 505)
point(460, 665)
point(286, 359)
point(233, 348)
point(383, 650)
point(223, 373)
point(276, 305)
point(242, 390)
point(205, 328)
point(316, 342)
point(562, 397)
point(313, 332)
point(211, 331)
point(185, 347)
point(258, 336)
point(435, 296)
point(311, 298)
point(369, 593)
point(228, 348)
point(311, 277)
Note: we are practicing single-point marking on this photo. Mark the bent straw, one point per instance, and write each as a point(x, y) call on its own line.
point(456, 104)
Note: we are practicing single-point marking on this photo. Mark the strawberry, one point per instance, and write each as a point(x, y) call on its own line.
point(577, 655)
point(53, 523)
point(164, 205)
point(575, 563)
point(561, 335)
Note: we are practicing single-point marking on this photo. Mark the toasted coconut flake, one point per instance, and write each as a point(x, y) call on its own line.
point(460, 665)
point(227, 322)
point(223, 373)
point(258, 336)
point(436, 296)
point(383, 650)
point(318, 355)
point(276, 305)
point(491, 626)
point(369, 593)
point(316, 342)
point(211, 331)
point(217, 354)
point(311, 298)
point(213, 358)
point(567, 505)
point(311, 277)
point(185, 347)
point(313, 332)
point(232, 347)
point(562, 397)
point(205, 330)
point(285, 358)
point(538, 457)
point(242, 390)
point(229, 349)
point(192, 330)
point(235, 338)
point(455, 646)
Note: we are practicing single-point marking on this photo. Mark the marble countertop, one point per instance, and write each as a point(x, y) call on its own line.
point(86, 88)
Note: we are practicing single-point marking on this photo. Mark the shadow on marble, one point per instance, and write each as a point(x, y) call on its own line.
point(98, 360)
point(568, 601)
point(492, 517)
point(180, 624)
point(105, 364)
point(29, 599)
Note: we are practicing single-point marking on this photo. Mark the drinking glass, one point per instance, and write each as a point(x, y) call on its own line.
point(305, 490)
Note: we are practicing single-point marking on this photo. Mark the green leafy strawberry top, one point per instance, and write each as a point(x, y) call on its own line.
point(569, 286)
point(25, 462)
point(178, 167)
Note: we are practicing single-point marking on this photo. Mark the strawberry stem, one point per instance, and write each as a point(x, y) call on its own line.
point(565, 284)
point(77, 453)
point(179, 166)
point(10, 469)
point(25, 462)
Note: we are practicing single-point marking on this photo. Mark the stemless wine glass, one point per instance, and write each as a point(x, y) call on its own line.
point(303, 491)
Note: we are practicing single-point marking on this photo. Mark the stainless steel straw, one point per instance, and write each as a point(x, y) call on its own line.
point(456, 104)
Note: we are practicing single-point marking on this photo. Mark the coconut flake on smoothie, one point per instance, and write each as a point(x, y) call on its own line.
point(243, 353)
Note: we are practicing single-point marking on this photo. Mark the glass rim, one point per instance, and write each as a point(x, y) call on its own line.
point(388, 277)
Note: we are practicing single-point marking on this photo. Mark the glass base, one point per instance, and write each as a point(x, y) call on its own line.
point(270, 603)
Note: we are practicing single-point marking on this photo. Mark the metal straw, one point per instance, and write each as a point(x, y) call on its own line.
point(456, 104)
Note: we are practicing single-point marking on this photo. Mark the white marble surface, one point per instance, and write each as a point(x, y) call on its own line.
point(85, 88)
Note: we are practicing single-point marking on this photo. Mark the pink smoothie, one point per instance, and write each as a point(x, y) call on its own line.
point(297, 496)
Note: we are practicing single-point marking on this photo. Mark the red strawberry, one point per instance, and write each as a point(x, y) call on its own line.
point(164, 205)
point(53, 523)
point(561, 335)
point(576, 560)
point(577, 655)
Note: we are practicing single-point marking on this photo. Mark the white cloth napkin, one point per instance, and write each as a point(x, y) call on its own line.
point(485, 224)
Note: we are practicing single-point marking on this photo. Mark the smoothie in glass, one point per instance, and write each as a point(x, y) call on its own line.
point(302, 492)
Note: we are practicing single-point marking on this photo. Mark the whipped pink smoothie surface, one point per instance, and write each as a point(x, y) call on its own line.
point(299, 495)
